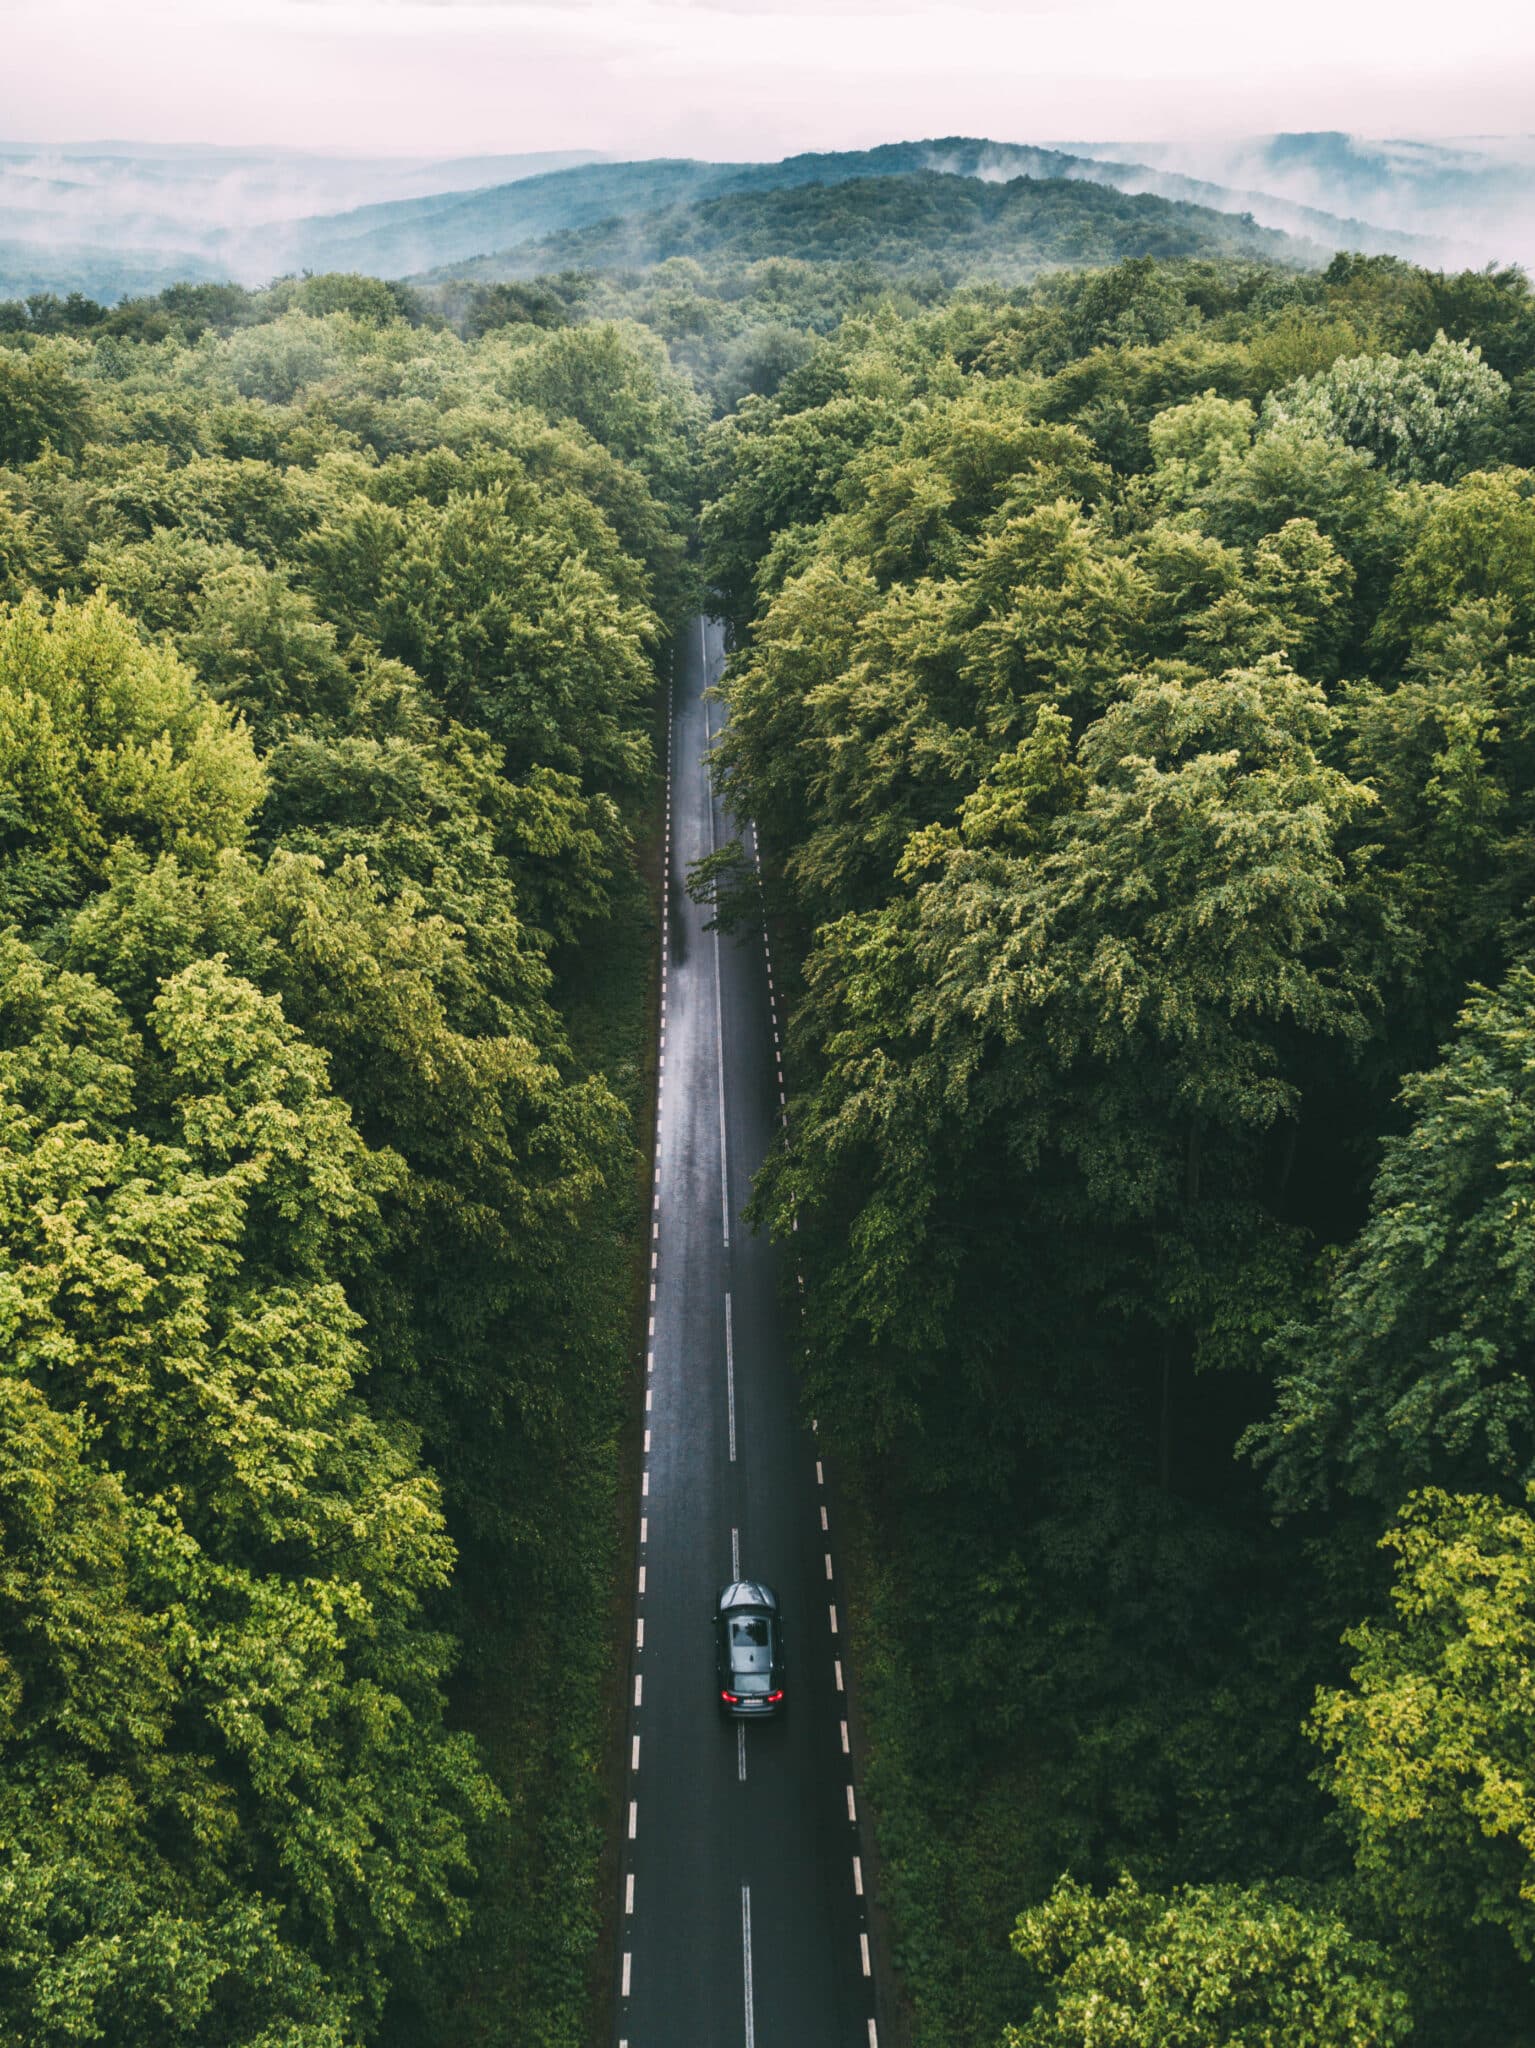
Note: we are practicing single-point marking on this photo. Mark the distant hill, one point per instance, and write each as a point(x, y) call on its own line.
point(1471, 198)
point(959, 225)
point(115, 218)
point(410, 237)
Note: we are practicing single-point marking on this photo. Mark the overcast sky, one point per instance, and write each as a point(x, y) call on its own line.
point(744, 78)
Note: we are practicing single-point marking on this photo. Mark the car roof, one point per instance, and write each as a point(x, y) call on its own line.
point(748, 1593)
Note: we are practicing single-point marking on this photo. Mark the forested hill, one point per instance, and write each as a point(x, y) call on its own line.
point(927, 220)
point(1134, 694)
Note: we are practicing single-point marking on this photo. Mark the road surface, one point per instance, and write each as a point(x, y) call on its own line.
point(743, 1918)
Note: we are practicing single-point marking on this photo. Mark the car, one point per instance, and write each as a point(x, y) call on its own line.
point(749, 1651)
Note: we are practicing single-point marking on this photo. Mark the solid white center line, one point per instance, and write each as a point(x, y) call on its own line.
point(719, 1016)
point(735, 1553)
point(730, 1378)
point(741, 1751)
point(746, 1956)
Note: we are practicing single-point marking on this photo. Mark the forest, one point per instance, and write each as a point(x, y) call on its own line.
point(327, 666)
point(1134, 690)
point(1133, 684)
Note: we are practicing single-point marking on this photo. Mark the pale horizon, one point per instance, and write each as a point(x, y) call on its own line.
point(718, 78)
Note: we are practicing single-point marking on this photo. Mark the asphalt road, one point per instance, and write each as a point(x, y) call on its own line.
point(742, 1916)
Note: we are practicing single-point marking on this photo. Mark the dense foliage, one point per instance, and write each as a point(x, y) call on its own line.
point(1135, 684)
point(326, 673)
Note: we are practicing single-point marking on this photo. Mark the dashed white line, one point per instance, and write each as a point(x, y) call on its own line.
point(647, 1454)
point(644, 1529)
point(843, 1726)
point(639, 1632)
point(823, 1518)
point(735, 1553)
point(741, 1751)
point(833, 1613)
point(873, 2037)
point(644, 1482)
point(639, 1689)
point(820, 1476)
point(852, 1810)
point(629, 1891)
point(634, 1816)
point(857, 1877)
point(836, 1665)
point(625, 1992)
point(828, 1554)
point(642, 1578)
point(863, 1950)
point(634, 1755)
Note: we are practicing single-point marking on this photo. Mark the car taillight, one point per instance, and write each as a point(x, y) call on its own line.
point(729, 1696)
point(772, 1696)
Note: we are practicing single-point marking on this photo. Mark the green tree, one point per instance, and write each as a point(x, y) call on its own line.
point(1273, 1967)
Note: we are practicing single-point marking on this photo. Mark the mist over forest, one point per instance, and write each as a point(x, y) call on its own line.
point(112, 220)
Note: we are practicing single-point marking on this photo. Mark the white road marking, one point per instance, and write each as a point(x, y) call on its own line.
point(625, 1992)
point(650, 1361)
point(823, 1518)
point(629, 1891)
point(642, 1578)
point(828, 1554)
point(833, 1613)
point(837, 1667)
point(852, 1810)
point(741, 1751)
point(644, 1529)
point(843, 1726)
point(735, 1553)
point(649, 1397)
point(857, 1877)
point(634, 1816)
point(644, 1482)
point(820, 1476)
point(730, 1379)
point(639, 1689)
point(863, 1950)
point(647, 1454)
point(634, 1755)
point(746, 1955)
point(719, 1019)
point(639, 1633)
point(873, 2037)
point(652, 1331)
